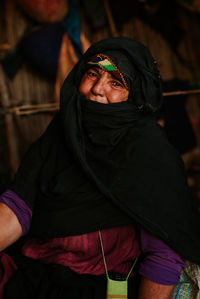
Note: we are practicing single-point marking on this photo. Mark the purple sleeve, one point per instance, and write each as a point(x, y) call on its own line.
point(161, 264)
point(19, 207)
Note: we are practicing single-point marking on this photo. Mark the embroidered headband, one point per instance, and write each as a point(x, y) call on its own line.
point(104, 62)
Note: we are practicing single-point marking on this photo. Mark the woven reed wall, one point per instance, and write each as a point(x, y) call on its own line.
point(29, 87)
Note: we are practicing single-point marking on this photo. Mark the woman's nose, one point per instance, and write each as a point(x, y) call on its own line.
point(98, 87)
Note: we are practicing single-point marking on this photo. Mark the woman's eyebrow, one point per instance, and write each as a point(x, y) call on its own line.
point(96, 68)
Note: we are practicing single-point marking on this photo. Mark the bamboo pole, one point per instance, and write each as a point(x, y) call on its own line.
point(5, 47)
point(181, 92)
point(9, 125)
point(6, 96)
point(53, 107)
point(111, 22)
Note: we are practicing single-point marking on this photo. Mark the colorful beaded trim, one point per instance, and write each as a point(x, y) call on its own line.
point(104, 62)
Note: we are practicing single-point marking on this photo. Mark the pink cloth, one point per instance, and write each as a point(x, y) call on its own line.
point(7, 268)
point(83, 253)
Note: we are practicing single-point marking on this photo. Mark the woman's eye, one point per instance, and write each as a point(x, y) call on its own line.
point(117, 84)
point(92, 74)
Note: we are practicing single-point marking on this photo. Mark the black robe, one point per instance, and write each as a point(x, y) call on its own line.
point(100, 166)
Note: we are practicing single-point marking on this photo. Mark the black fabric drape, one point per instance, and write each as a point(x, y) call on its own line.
point(35, 280)
point(75, 183)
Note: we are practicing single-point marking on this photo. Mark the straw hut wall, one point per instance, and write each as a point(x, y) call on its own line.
point(29, 100)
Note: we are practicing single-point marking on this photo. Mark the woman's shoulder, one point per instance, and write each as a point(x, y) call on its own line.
point(147, 131)
point(51, 138)
point(148, 142)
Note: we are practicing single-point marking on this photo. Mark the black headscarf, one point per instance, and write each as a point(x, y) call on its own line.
point(99, 166)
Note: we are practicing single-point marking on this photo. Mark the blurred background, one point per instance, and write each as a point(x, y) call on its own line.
point(41, 40)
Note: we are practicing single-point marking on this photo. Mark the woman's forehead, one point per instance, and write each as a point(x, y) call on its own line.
point(100, 71)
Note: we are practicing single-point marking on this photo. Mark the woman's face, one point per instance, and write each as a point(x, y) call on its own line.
point(100, 86)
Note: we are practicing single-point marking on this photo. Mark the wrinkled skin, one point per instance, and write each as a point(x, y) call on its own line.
point(100, 86)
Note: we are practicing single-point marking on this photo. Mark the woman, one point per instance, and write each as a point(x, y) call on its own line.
point(101, 188)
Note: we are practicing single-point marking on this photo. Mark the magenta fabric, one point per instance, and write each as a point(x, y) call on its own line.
point(7, 268)
point(83, 253)
point(19, 207)
point(161, 264)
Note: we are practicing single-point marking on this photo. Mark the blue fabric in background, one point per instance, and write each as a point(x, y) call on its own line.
point(40, 45)
point(72, 26)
